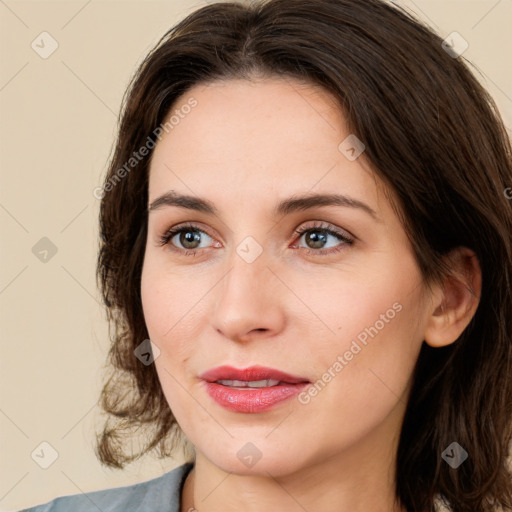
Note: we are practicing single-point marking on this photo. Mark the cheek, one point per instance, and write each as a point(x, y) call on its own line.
point(171, 300)
point(168, 300)
point(362, 304)
point(376, 323)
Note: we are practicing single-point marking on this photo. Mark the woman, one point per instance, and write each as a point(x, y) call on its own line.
point(306, 255)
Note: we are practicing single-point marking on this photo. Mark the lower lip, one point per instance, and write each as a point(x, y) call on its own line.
point(252, 400)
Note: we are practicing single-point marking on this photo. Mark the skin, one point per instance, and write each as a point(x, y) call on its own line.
point(246, 146)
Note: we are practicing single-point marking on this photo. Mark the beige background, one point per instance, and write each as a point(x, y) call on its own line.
point(58, 120)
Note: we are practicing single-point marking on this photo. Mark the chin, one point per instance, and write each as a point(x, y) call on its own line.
point(259, 457)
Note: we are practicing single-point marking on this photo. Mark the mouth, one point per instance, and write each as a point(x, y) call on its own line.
point(253, 374)
point(251, 390)
point(250, 384)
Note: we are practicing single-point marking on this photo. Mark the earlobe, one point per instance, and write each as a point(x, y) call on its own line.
point(457, 299)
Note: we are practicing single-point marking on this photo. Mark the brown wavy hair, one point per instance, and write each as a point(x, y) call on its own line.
point(435, 137)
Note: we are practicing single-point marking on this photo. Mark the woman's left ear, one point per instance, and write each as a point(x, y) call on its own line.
point(456, 300)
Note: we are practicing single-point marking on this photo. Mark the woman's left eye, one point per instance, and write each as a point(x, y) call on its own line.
point(189, 239)
point(317, 236)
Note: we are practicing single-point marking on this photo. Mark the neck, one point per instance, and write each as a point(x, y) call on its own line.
point(355, 480)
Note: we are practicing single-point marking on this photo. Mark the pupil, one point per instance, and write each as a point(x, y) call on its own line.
point(189, 237)
point(317, 238)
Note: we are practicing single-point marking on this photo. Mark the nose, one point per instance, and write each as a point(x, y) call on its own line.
point(250, 301)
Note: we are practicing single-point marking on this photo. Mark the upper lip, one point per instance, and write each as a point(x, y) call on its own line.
point(253, 373)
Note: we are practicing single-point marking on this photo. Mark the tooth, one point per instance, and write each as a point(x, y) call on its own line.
point(249, 384)
point(263, 383)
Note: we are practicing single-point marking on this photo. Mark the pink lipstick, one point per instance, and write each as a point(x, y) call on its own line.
point(251, 390)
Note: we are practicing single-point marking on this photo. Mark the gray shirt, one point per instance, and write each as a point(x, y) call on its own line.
point(161, 494)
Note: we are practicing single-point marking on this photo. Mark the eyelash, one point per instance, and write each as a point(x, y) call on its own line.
point(319, 226)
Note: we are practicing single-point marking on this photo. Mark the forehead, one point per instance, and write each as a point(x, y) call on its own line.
point(253, 137)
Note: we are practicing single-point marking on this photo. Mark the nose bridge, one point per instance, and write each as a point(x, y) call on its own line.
point(247, 298)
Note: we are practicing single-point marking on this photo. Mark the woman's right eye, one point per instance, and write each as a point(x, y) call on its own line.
point(185, 238)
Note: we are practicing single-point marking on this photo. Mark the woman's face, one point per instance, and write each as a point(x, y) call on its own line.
point(343, 311)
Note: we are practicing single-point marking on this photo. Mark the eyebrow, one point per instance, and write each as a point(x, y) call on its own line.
point(285, 207)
